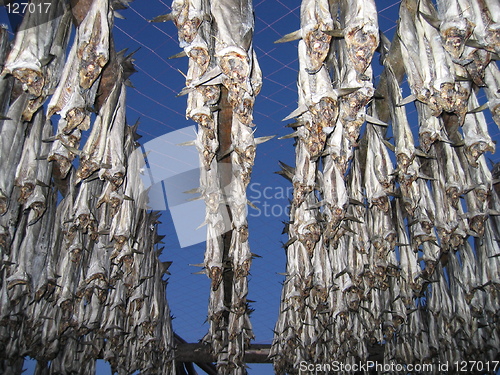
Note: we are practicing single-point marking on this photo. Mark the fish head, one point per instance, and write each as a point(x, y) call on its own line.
point(361, 43)
point(199, 53)
point(454, 33)
point(317, 46)
point(235, 64)
point(32, 80)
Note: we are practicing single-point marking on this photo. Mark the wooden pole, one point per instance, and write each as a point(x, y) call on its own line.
point(256, 353)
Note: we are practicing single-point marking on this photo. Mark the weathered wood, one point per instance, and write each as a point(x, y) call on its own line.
point(256, 353)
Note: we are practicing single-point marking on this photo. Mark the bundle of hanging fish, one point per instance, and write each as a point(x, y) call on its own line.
point(222, 81)
point(80, 277)
point(392, 244)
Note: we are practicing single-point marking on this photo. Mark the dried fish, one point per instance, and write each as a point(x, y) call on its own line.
point(361, 33)
point(11, 141)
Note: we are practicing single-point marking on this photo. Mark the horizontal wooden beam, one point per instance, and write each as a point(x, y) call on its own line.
point(188, 352)
point(256, 353)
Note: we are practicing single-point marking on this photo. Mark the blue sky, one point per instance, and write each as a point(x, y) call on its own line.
point(153, 101)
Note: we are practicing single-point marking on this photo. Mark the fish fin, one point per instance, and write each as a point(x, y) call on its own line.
point(202, 265)
point(252, 205)
point(188, 143)
point(336, 33)
point(289, 242)
point(260, 140)
point(186, 90)
point(300, 110)
point(473, 43)
point(291, 135)
point(202, 272)
point(356, 202)
point(290, 37)
point(479, 109)
point(389, 145)
point(163, 18)
point(193, 199)
point(425, 177)
point(192, 191)
point(353, 218)
point(50, 139)
point(375, 121)
point(407, 100)
point(73, 149)
point(178, 55)
point(431, 20)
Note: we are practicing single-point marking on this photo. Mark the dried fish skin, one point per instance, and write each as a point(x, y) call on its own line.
point(455, 32)
point(93, 37)
point(11, 141)
point(476, 137)
point(68, 99)
point(456, 26)
point(32, 47)
point(361, 32)
point(188, 15)
point(114, 158)
point(431, 128)
point(26, 172)
point(414, 60)
point(94, 150)
point(479, 60)
point(405, 147)
point(64, 149)
point(305, 177)
point(492, 80)
point(315, 20)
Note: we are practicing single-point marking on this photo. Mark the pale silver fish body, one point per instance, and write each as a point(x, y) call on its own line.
point(32, 45)
point(93, 36)
point(114, 151)
point(456, 25)
point(67, 99)
point(411, 50)
point(27, 168)
point(95, 147)
point(11, 142)
point(361, 31)
point(233, 40)
point(485, 16)
point(476, 137)
point(431, 128)
point(37, 200)
point(492, 90)
point(405, 148)
point(378, 171)
point(352, 106)
point(315, 19)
